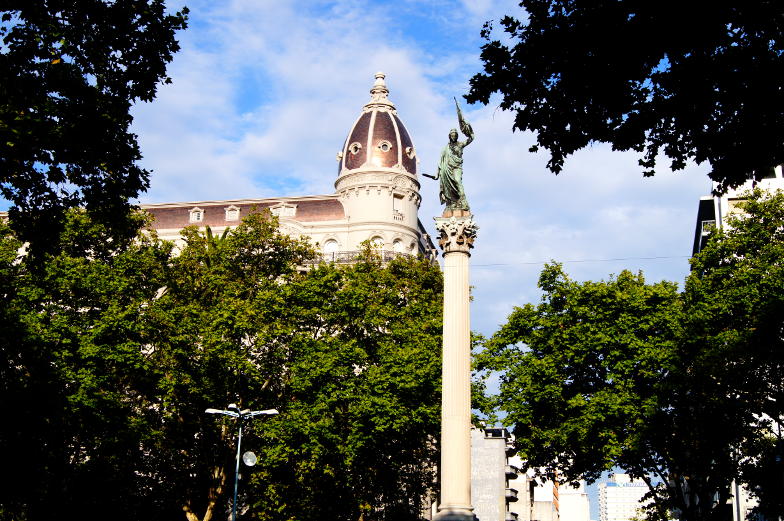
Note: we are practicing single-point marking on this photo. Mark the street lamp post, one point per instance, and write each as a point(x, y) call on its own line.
point(235, 412)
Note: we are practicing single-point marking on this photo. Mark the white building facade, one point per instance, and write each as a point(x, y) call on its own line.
point(573, 503)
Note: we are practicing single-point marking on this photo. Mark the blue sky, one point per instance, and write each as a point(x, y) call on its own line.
point(264, 93)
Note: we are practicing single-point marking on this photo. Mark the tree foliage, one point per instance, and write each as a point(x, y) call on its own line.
point(735, 295)
point(681, 389)
point(360, 410)
point(75, 382)
point(113, 350)
point(690, 80)
point(583, 371)
point(69, 73)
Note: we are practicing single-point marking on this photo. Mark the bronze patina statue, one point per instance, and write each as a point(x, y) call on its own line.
point(450, 167)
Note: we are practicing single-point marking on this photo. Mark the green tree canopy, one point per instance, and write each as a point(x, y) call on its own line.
point(693, 81)
point(70, 70)
point(582, 373)
point(361, 407)
point(75, 382)
point(681, 389)
point(113, 350)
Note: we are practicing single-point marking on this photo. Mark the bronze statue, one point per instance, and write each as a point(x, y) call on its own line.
point(450, 167)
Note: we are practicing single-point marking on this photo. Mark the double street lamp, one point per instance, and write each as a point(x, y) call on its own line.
point(241, 415)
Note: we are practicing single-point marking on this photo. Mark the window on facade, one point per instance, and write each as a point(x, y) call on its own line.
point(331, 246)
point(397, 207)
point(196, 215)
point(284, 210)
point(377, 242)
point(398, 246)
point(232, 213)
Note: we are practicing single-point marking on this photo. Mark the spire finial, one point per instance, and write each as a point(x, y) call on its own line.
point(379, 93)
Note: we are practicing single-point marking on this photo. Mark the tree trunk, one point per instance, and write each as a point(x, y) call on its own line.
point(214, 493)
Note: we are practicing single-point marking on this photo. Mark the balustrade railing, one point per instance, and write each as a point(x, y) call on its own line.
point(350, 257)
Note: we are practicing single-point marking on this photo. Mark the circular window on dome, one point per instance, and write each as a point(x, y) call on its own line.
point(385, 146)
point(355, 147)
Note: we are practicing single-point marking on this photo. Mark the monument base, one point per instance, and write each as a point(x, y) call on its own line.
point(456, 213)
point(455, 514)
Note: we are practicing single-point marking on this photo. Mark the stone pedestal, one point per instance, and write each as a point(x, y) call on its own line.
point(456, 238)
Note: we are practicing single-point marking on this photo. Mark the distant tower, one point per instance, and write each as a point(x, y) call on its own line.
point(377, 179)
point(620, 498)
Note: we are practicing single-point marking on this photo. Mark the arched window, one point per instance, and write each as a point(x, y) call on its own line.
point(331, 246)
point(377, 242)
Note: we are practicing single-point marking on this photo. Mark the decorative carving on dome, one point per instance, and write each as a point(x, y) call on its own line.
point(410, 152)
point(354, 179)
point(401, 181)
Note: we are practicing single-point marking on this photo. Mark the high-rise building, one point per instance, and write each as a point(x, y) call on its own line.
point(620, 498)
point(713, 211)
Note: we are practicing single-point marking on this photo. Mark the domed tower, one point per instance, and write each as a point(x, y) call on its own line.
point(377, 181)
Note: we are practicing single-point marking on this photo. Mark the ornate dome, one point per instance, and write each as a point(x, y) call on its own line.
point(378, 138)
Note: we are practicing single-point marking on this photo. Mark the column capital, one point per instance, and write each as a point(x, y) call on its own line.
point(456, 234)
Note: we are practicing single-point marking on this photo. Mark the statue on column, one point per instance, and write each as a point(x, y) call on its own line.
point(450, 167)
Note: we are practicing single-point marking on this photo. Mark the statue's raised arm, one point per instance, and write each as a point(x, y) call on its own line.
point(465, 126)
point(450, 167)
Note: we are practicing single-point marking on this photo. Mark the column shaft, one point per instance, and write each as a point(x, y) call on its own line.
point(456, 390)
point(457, 234)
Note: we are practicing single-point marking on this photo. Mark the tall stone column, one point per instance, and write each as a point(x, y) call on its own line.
point(457, 233)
